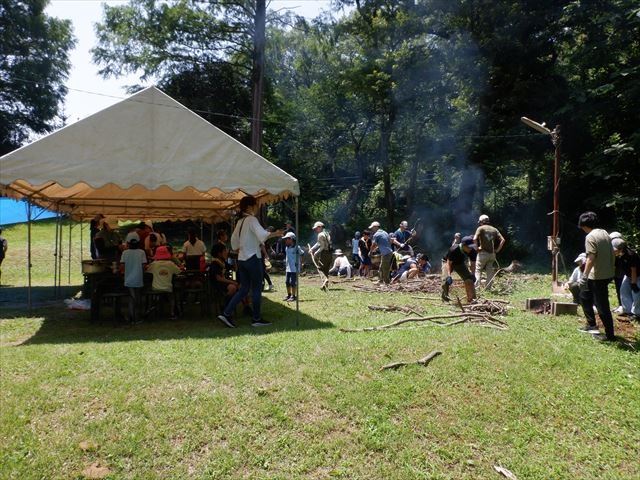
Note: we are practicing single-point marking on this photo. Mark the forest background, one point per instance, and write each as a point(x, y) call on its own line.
point(392, 110)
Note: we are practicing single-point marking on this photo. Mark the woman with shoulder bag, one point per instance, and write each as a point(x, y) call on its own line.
point(246, 239)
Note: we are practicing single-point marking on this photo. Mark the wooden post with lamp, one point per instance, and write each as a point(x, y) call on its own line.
point(553, 242)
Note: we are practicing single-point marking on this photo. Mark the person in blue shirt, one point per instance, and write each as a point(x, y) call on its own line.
point(402, 236)
point(293, 255)
point(382, 242)
point(355, 250)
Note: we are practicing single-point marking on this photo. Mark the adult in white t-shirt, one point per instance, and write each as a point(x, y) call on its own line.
point(246, 239)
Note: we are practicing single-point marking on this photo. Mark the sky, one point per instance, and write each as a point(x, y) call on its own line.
point(90, 93)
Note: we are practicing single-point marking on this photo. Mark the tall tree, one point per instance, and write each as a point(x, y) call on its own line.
point(34, 63)
point(185, 39)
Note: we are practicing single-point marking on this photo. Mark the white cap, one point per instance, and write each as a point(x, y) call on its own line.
point(580, 259)
point(483, 218)
point(290, 235)
point(338, 252)
point(132, 237)
point(317, 224)
point(404, 224)
point(374, 224)
point(613, 235)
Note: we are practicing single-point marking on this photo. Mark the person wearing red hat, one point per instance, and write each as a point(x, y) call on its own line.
point(163, 270)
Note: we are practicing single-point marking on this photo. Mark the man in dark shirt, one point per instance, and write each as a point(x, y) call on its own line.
point(456, 261)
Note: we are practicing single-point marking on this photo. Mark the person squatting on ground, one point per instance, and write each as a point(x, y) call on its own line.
point(573, 284)
point(598, 272)
point(293, 260)
point(133, 258)
point(619, 274)
point(456, 261)
point(485, 238)
point(321, 250)
point(246, 239)
point(382, 242)
point(630, 286)
point(412, 267)
point(341, 266)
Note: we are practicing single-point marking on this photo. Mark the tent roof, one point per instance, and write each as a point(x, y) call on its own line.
point(147, 156)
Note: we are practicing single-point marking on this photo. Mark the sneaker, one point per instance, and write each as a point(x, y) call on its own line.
point(589, 329)
point(619, 309)
point(287, 298)
point(603, 338)
point(226, 320)
point(260, 323)
point(292, 298)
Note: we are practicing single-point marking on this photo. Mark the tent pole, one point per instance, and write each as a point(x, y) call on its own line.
point(60, 255)
point(56, 256)
point(69, 256)
point(295, 206)
point(29, 253)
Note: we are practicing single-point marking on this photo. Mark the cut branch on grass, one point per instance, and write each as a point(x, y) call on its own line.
point(424, 361)
point(473, 317)
point(504, 472)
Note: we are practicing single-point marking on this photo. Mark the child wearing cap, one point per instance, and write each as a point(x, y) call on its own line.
point(293, 255)
point(573, 284)
point(133, 258)
point(163, 270)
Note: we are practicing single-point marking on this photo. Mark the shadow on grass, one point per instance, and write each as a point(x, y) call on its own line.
point(62, 325)
point(18, 297)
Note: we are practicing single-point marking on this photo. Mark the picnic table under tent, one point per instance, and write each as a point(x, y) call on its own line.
point(147, 156)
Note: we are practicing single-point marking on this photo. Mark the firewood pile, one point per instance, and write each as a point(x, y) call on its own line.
point(428, 284)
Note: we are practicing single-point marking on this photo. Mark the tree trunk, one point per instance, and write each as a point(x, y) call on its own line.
point(257, 76)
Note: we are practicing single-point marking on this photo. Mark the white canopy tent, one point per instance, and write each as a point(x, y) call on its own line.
point(147, 156)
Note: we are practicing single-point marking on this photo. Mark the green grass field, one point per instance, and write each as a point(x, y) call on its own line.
point(303, 400)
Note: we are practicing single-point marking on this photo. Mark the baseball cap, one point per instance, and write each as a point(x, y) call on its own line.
point(580, 259)
point(483, 218)
point(374, 225)
point(132, 237)
point(468, 241)
point(290, 235)
point(317, 224)
point(618, 243)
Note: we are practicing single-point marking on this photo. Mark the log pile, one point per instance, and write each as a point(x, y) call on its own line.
point(427, 284)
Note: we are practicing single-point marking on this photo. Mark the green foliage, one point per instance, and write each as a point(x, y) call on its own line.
point(403, 109)
point(33, 67)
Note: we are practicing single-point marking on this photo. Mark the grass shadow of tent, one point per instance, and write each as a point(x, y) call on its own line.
point(61, 325)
